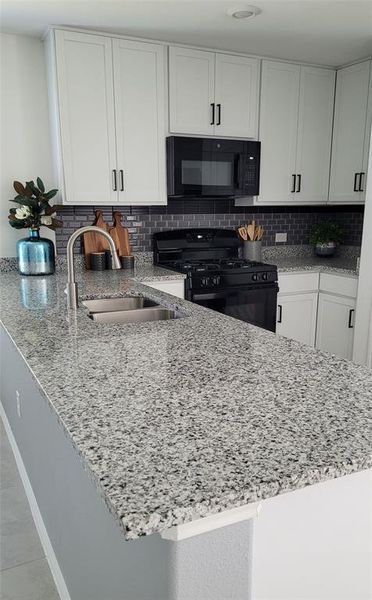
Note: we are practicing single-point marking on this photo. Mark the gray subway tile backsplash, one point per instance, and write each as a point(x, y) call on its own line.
point(143, 221)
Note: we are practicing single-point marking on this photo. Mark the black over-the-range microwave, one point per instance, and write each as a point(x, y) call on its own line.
point(211, 167)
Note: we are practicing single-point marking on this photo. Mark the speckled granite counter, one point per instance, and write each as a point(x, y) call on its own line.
point(302, 258)
point(186, 417)
point(337, 265)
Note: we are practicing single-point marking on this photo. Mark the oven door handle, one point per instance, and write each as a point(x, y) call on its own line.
point(232, 291)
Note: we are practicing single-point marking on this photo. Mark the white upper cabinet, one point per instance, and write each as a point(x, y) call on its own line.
point(295, 132)
point(314, 134)
point(86, 117)
point(236, 96)
point(352, 123)
point(108, 96)
point(139, 84)
point(278, 131)
point(212, 94)
point(191, 91)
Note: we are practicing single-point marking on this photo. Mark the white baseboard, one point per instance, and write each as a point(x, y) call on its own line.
point(39, 523)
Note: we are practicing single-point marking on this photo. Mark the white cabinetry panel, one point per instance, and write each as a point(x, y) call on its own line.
point(314, 134)
point(335, 325)
point(175, 287)
point(191, 91)
point(278, 131)
point(297, 317)
point(139, 83)
point(86, 117)
point(350, 134)
point(295, 132)
point(212, 94)
point(236, 96)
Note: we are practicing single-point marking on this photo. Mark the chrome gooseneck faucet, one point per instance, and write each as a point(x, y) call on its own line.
point(72, 293)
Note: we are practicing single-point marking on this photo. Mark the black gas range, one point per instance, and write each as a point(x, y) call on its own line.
point(216, 277)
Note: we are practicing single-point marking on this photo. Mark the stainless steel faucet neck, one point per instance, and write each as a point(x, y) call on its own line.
point(72, 294)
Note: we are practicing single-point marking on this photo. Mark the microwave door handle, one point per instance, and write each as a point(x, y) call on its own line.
point(237, 172)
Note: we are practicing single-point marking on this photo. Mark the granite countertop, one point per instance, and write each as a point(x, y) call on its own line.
point(339, 264)
point(189, 417)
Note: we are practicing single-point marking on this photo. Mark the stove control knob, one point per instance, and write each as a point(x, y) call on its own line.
point(205, 281)
point(254, 277)
point(216, 280)
point(264, 276)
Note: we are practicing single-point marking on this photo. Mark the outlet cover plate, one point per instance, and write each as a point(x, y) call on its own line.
point(280, 237)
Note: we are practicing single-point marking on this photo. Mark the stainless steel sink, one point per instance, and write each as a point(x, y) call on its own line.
point(108, 305)
point(139, 315)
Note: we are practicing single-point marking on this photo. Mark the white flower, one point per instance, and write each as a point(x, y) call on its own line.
point(45, 220)
point(23, 212)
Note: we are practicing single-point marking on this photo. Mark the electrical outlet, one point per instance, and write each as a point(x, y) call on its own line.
point(18, 403)
point(280, 237)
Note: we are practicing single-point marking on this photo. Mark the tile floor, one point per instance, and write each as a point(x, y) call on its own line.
point(24, 570)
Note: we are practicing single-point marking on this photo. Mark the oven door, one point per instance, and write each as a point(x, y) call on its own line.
point(255, 305)
point(203, 167)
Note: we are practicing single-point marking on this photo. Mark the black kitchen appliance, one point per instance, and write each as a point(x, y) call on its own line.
point(210, 167)
point(215, 275)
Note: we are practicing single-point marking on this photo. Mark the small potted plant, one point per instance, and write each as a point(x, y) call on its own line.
point(325, 236)
point(35, 254)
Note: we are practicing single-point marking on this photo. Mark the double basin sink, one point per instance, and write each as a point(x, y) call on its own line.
point(127, 310)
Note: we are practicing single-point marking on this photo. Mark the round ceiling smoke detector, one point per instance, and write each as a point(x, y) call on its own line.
point(244, 12)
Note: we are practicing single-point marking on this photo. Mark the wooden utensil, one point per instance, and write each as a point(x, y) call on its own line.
point(94, 242)
point(250, 231)
point(120, 236)
point(243, 233)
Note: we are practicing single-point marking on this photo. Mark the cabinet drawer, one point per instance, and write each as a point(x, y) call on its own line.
point(298, 282)
point(338, 284)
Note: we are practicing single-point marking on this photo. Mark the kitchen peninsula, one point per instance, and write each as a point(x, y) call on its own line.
point(130, 431)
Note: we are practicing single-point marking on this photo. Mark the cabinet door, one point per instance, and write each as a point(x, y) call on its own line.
point(317, 88)
point(367, 139)
point(278, 131)
point(335, 331)
point(236, 96)
point(191, 91)
point(139, 70)
point(86, 117)
point(349, 132)
point(297, 317)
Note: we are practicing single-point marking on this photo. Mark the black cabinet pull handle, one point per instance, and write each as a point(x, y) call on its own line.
point(299, 183)
point(213, 113)
point(114, 181)
point(280, 308)
point(355, 182)
point(350, 325)
point(293, 183)
point(360, 189)
point(121, 173)
point(219, 114)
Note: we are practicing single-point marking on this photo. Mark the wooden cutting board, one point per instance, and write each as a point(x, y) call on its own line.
point(94, 242)
point(120, 235)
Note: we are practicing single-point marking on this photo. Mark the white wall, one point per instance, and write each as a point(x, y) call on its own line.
point(25, 142)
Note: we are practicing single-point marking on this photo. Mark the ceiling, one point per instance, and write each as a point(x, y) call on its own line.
point(317, 31)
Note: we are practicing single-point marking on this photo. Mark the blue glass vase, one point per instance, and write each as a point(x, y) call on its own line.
point(35, 255)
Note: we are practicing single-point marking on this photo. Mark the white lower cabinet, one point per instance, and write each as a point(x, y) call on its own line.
point(175, 287)
point(297, 317)
point(318, 310)
point(335, 331)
